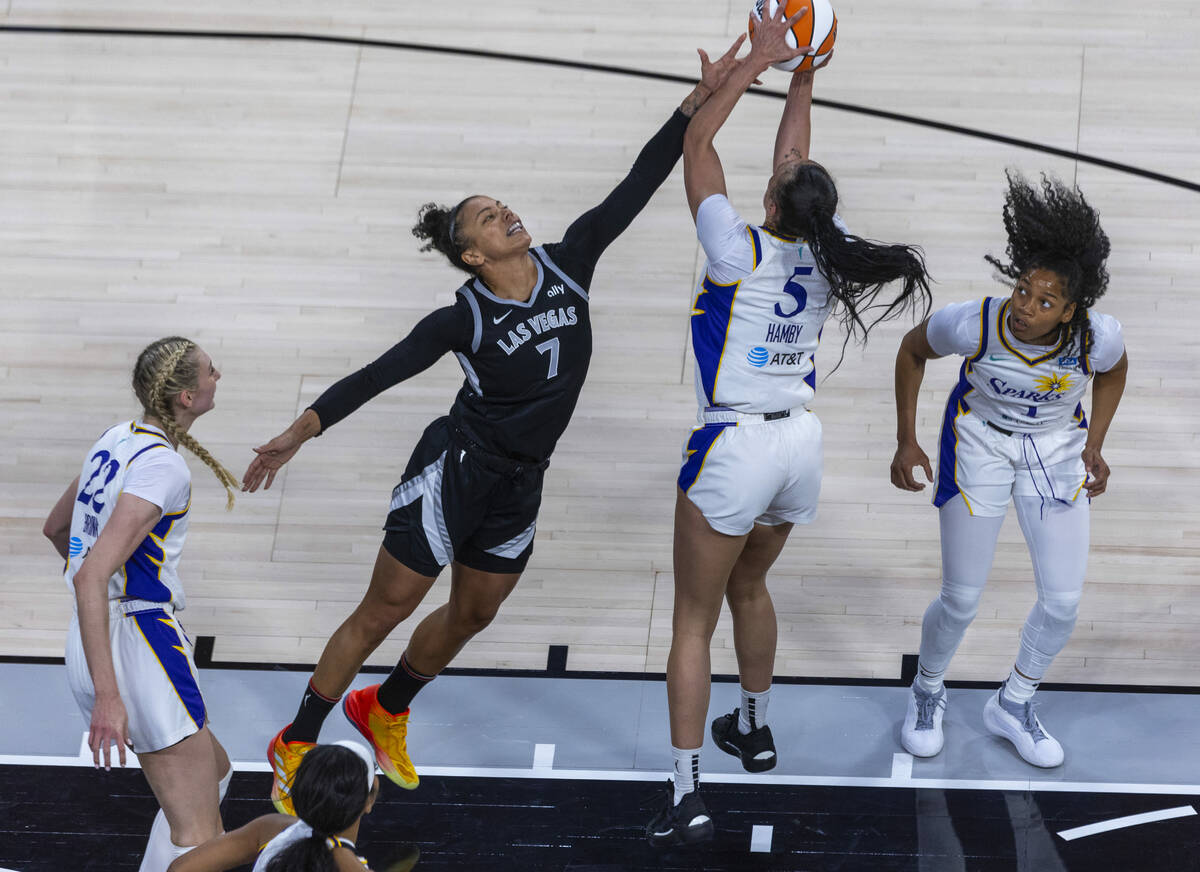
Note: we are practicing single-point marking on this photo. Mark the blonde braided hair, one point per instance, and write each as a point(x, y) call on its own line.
point(164, 369)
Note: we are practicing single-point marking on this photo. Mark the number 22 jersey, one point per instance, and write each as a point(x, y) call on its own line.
point(137, 459)
point(757, 315)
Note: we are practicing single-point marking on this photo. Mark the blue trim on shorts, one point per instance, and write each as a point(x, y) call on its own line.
point(947, 486)
point(162, 635)
point(699, 444)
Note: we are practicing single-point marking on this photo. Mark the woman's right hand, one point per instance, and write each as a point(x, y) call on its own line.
point(110, 724)
point(270, 459)
point(769, 43)
point(908, 456)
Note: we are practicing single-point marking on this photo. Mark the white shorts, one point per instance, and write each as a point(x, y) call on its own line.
point(156, 675)
point(989, 467)
point(754, 472)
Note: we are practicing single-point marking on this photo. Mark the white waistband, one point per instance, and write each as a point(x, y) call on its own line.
point(130, 606)
point(722, 415)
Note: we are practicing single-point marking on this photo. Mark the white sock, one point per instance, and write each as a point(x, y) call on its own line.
point(930, 682)
point(223, 784)
point(1019, 689)
point(160, 850)
point(753, 713)
point(687, 771)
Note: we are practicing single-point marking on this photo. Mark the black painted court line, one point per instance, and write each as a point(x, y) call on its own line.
point(363, 42)
point(556, 667)
point(486, 824)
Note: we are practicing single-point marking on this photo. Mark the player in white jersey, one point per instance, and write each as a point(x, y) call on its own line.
point(120, 526)
point(752, 468)
point(1015, 429)
point(330, 797)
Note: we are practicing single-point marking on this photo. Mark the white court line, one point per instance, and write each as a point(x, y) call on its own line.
point(1128, 821)
point(543, 757)
point(902, 765)
point(1021, 784)
point(760, 839)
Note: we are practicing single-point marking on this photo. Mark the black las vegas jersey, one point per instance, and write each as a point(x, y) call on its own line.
point(524, 362)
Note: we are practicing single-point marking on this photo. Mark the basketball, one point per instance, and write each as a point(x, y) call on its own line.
point(818, 28)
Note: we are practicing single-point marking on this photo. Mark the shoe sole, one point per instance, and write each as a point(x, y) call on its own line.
point(282, 804)
point(690, 836)
point(732, 750)
point(996, 728)
point(385, 762)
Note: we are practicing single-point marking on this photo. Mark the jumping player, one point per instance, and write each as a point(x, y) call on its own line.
point(331, 797)
point(120, 526)
point(520, 327)
point(1015, 429)
point(752, 468)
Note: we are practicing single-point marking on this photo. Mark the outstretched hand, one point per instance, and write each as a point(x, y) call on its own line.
point(271, 458)
point(769, 45)
point(714, 73)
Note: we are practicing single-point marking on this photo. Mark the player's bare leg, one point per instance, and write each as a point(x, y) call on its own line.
point(703, 561)
point(394, 593)
point(475, 598)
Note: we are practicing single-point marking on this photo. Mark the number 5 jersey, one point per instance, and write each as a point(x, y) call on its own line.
point(757, 315)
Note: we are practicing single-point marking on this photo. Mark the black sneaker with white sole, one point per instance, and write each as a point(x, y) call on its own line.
point(756, 749)
point(685, 824)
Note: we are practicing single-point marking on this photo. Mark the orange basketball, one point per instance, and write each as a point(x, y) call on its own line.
point(818, 28)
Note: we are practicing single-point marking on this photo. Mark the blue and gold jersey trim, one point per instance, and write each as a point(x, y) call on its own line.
point(1002, 315)
point(757, 243)
point(710, 330)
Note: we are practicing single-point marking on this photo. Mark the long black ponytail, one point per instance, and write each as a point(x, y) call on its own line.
point(329, 792)
point(857, 269)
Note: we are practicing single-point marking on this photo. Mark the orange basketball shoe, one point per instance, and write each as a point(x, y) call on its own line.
point(285, 758)
point(386, 732)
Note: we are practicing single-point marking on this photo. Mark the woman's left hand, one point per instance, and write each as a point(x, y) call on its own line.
point(1097, 471)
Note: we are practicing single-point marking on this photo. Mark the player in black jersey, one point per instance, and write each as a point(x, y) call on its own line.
point(521, 330)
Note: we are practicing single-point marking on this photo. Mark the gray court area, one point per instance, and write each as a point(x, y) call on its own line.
point(620, 726)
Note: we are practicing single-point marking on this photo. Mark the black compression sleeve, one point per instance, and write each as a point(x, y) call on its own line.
point(592, 232)
point(448, 329)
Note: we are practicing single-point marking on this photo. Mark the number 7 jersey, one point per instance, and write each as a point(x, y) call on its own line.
point(137, 459)
point(757, 315)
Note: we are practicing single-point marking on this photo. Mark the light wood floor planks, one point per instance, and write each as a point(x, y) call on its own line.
point(258, 196)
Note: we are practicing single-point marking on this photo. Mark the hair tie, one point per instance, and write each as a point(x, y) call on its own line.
point(454, 219)
point(366, 756)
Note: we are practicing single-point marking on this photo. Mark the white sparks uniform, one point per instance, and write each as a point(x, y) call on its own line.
point(756, 322)
point(1014, 424)
point(297, 832)
point(152, 656)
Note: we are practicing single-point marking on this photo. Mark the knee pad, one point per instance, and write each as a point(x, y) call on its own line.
point(1061, 608)
point(960, 601)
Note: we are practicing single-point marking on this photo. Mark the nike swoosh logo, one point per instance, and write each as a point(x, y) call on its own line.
point(501, 318)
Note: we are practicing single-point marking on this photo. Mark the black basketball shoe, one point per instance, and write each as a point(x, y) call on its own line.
point(685, 824)
point(756, 748)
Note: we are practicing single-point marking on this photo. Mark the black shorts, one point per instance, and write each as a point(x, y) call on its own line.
point(458, 502)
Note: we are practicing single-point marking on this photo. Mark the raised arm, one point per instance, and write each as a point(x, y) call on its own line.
point(445, 330)
point(593, 231)
point(910, 372)
point(1107, 388)
point(703, 175)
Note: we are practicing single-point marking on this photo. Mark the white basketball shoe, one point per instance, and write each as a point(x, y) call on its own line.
point(1019, 723)
point(921, 734)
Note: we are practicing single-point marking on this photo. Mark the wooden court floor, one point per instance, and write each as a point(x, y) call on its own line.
point(257, 196)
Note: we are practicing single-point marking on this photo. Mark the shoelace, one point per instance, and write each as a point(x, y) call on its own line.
point(1031, 723)
point(926, 706)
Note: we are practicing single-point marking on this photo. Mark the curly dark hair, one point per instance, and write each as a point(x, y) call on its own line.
point(437, 226)
point(1051, 226)
point(857, 269)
